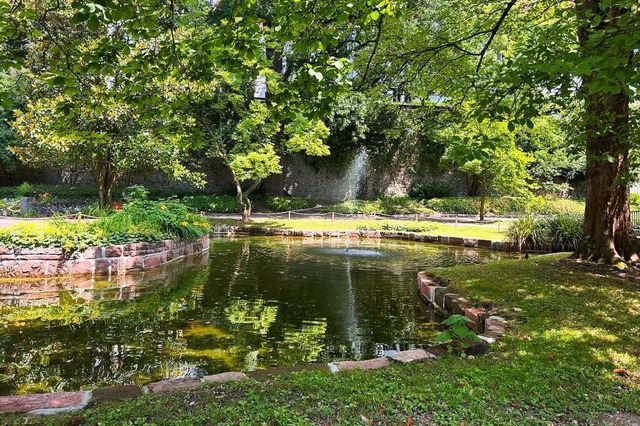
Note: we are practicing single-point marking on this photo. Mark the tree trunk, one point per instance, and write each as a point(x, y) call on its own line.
point(608, 231)
point(472, 185)
point(483, 201)
point(242, 196)
point(105, 180)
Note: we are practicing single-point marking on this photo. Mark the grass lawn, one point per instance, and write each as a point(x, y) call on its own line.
point(490, 231)
point(571, 328)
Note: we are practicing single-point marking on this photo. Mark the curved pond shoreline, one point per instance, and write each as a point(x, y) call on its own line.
point(108, 260)
point(393, 235)
point(431, 288)
point(52, 403)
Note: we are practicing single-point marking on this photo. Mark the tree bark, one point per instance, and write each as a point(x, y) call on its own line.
point(608, 231)
point(105, 180)
point(242, 196)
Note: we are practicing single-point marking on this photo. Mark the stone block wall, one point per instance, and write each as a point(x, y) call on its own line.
point(110, 260)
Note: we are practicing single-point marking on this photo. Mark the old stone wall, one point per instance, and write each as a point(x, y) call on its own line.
point(301, 177)
point(110, 260)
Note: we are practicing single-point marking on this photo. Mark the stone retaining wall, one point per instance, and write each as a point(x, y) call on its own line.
point(396, 235)
point(110, 260)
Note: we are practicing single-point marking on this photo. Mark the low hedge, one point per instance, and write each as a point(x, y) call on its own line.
point(284, 204)
point(213, 203)
point(386, 205)
point(505, 205)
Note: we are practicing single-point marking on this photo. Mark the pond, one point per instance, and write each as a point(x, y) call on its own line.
point(250, 304)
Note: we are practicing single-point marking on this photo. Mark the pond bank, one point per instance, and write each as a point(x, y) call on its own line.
point(569, 330)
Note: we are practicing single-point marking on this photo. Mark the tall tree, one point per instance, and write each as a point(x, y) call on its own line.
point(519, 57)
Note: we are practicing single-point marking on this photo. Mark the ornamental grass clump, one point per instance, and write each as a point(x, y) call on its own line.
point(562, 232)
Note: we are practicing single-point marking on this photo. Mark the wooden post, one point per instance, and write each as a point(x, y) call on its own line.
point(333, 215)
point(289, 214)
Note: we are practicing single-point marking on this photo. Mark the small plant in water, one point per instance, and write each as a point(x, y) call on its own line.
point(456, 331)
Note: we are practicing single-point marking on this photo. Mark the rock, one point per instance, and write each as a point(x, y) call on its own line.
point(412, 355)
point(618, 419)
point(225, 377)
point(45, 403)
point(114, 393)
point(171, 385)
point(369, 364)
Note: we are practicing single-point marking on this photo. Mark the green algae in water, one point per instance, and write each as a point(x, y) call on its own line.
point(254, 303)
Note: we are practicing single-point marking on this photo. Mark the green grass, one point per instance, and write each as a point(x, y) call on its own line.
point(490, 231)
point(569, 330)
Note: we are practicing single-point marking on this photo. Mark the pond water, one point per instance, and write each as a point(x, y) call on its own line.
point(250, 304)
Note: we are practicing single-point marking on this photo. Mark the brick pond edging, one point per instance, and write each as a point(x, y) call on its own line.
point(397, 235)
point(109, 260)
point(433, 290)
point(64, 402)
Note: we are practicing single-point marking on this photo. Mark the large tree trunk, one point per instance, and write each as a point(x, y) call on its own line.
point(609, 235)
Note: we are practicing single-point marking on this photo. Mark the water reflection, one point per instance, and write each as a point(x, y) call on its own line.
point(254, 303)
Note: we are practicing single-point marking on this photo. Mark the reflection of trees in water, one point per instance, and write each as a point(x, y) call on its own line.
point(100, 343)
point(260, 303)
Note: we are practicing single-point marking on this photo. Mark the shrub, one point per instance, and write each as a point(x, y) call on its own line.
point(455, 205)
point(634, 201)
point(558, 233)
point(213, 203)
point(397, 226)
point(283, 204)
point(140, 221)
point(429, 190)
point(456, 331)
point(60, 192)
point(386, 205)
point(135, 193)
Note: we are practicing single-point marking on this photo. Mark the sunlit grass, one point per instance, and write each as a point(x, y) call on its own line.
point(494, 231)
point(569, 330)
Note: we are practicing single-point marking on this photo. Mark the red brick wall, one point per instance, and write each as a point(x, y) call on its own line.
point(119, 259)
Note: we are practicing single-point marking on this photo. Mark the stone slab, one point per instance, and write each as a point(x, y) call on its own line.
point(171, 385)
point(59, 401)
point(369, 364)
point(412, 356)
point(114, 393)
point(225, 377)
